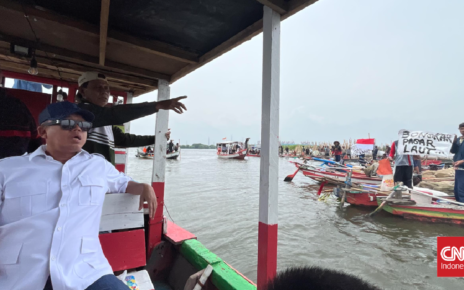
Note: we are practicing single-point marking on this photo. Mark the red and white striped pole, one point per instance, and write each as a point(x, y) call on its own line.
point(269, 173)
point(155, 228)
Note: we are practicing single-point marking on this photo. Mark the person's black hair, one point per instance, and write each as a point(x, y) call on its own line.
point(461, 125)
point(315, 278)
point(79, 96)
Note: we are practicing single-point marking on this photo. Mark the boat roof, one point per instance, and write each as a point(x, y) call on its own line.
point(135, 43)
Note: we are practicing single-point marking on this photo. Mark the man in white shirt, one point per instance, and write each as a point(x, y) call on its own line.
point(50, 207)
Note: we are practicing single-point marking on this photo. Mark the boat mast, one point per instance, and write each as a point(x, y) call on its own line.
point(155, 230)
point(269, 173)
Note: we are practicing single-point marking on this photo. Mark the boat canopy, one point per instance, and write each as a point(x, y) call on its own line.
point(134, 43)
point(229, 142)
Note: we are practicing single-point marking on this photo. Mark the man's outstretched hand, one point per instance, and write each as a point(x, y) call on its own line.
point(172, 104)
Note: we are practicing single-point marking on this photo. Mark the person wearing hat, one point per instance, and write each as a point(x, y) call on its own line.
point(93, 95)
point(337, 151)
point(50, 207)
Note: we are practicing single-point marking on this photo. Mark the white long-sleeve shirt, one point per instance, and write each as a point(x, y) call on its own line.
point(49, 219)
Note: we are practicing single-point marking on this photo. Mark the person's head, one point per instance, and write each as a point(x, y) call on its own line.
point(461, 128)
point(93, 88)
point(309, 278)
point(336, 143)
point(64, 127)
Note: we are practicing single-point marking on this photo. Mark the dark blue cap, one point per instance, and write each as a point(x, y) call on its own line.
point(62, 110)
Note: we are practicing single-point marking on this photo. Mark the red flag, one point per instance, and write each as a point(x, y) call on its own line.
point(366, 141)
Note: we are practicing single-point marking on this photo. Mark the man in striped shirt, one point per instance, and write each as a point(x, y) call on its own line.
point(94, 92)
point(18, 131)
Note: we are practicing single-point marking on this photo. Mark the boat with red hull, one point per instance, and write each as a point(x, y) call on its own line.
point(232, 149)
point(362, 198)
point(356, 177)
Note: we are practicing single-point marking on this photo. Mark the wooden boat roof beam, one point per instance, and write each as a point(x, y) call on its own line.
point(105, 10)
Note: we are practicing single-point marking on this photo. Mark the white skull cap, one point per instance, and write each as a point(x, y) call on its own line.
point(90, 76)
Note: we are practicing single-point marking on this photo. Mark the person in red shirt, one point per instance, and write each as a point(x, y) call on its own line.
point(337, 151)
point(18, 130)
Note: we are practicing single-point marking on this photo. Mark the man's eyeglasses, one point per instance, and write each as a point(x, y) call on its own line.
point(70, 124)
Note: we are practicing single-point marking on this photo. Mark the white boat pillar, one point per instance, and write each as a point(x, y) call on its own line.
point(269, 171)
point(155, 230)
point(127, 128)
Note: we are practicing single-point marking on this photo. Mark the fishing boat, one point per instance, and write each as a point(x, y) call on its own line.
point(362, 197)
point(254, 151)
point(145, 153)
point(321, 173)
point(338, 173)
point(57, 43)
point(232, 149)
point(425, 207)
point(366, 195)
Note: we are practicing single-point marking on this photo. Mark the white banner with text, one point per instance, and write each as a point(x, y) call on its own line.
point(424, 143)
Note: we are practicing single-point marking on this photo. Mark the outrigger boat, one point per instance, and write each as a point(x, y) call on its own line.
point(366, 195)
point(139, 54)
point(232, 149)
point(425, 207)
point(316, 173)
point(142, 153)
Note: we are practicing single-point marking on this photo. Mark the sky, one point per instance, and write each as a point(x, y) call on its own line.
point(349, 69)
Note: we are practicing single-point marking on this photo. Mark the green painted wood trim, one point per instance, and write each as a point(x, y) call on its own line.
point(223, 276)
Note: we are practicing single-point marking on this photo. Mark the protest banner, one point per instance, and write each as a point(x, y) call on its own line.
point(424, 143)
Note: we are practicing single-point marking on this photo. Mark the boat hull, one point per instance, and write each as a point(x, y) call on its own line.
point(359, 198)
point(316, 174)
point(172, 155)
point(253, 155)
point(239, 155)
point(431, 213)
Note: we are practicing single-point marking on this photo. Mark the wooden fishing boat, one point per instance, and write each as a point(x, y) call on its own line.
point(423, 207)
point(59, 42)
point(318, 173)
point(232, 149)
point(362, 197)
point(365, 195)
point(143, 154)
point(254, 151)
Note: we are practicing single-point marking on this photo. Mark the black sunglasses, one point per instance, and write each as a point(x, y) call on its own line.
point(71, 124)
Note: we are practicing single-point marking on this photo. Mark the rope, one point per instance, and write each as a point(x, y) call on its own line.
point(168, 212)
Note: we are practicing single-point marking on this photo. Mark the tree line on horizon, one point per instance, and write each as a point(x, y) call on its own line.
point(198, 146)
